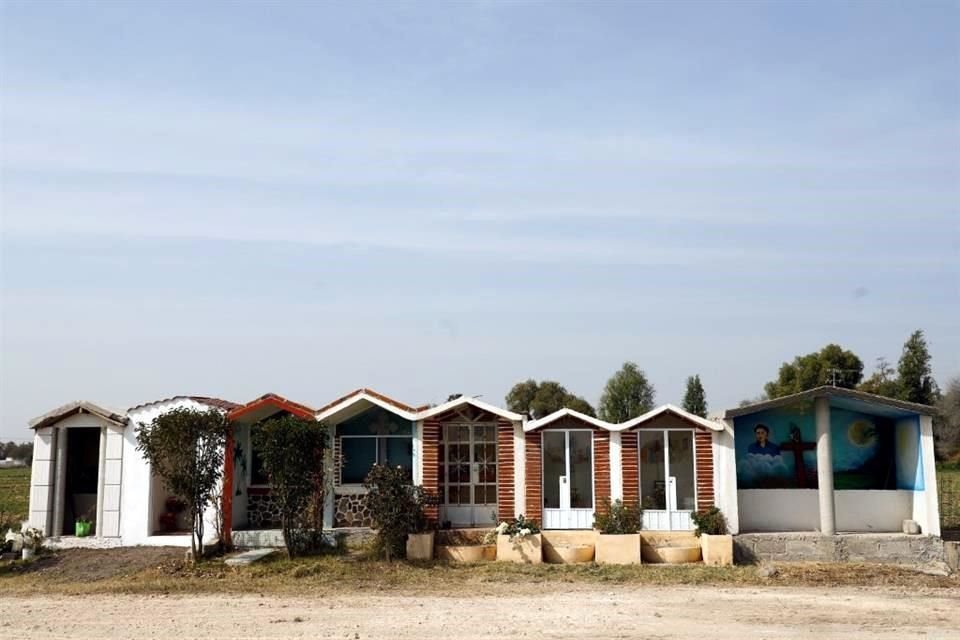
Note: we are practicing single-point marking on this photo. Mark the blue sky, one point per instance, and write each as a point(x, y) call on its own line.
point(429, 198)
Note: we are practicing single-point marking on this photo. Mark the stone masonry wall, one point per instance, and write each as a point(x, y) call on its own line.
point(351, 511)
point(263, 512)
point(880, 548)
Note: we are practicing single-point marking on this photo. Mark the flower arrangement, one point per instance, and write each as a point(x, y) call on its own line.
point(32, 538)
point(518, 528)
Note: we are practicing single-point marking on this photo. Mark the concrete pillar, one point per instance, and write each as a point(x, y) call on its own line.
point(101, 477)
point(61, 482)
point(616, 467)
point(329, 473)
point(825, 467)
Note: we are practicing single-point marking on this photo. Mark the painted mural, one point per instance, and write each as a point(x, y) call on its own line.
point(776, 449)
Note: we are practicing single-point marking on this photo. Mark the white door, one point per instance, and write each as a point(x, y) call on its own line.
point(469, 475)
point(667, 479)
point(568, 479)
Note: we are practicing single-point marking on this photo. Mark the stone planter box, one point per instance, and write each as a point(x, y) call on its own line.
point(527, 550)
point(618, 549)
point(420, 546)
point(467, 553)
point(679, 555)
point(568, 553)
point(717, 550)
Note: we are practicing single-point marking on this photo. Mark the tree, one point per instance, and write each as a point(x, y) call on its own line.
point(946, 425)
point(185, 448)
point(832, 365)
point(695, 399)
point(541, 399)
point(883, 381)
point(627, 394)
point(916, 378)
point(292, 451)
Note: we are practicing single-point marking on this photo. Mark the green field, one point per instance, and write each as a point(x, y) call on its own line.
point(948, 486)
point(14, 495)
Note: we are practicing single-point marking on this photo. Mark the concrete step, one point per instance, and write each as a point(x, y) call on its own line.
point(248, 557)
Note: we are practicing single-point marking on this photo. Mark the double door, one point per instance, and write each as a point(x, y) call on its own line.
point(469, 474)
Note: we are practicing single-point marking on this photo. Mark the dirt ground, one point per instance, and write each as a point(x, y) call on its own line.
point(556, 612)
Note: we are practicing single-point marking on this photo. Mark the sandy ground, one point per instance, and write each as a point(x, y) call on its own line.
point(620, 612)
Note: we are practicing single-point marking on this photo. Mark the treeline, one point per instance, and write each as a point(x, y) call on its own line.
point(23, 451)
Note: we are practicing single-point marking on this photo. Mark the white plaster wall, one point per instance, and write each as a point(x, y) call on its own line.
point(519, 471)
point(41, 479)
point(137, 493)
point(778, 510)
point(873, 511)
point(926, 508)
point(725, 476)
point(799, 510)
point(616, 466)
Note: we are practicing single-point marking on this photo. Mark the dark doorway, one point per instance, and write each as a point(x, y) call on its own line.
point(80, 484)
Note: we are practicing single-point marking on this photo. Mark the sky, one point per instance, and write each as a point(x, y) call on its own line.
point(436, 198)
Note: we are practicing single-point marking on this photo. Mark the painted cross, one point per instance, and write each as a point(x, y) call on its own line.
point(797, 447)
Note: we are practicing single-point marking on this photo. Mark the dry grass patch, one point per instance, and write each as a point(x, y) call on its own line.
point(147, 570)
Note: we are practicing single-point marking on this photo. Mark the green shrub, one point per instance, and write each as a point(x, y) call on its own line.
point(292, 450)
point(710, 521)
point(618, 518)
point(396, 507)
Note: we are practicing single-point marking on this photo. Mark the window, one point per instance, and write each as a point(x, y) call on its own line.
point(359, 453)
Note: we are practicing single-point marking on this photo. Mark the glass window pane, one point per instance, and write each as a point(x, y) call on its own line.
point(581, 469)
point(358, 455)
point(554, 466)
point(653, 491)
point(681, 468)
point(397, 452)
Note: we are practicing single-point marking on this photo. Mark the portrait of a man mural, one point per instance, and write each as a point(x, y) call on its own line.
point(763, 446)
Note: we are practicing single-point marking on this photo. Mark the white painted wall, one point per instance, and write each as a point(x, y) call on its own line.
point(519, 471)
point(725, 476)
point(41, 480)
point(137, 520)
point(779, 510)
point(926, 507)
point(799, 510)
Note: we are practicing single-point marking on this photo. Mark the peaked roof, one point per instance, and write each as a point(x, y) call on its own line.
point(272, 400)
point(75, 407)
point(372, 397)
point(533, 425)
point(675, 410)
point(831, 392)
point(219, 403)
point(474, 402)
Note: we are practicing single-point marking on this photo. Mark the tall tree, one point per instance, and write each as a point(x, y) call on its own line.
point(946, 425)
point(292, 451)
point(539, 399)
point(832, 365)
point(916, 377)
point(695, 398)
point(185, 448)
point(626, 395)
point(883, 381)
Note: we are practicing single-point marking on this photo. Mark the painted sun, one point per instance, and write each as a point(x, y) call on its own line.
point(861, 433)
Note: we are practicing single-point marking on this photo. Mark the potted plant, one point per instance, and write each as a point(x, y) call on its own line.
point(81, 527)
point(421, 539)
point(32, 542)
point(716, 545)
point(618, 528)
point(518, 540)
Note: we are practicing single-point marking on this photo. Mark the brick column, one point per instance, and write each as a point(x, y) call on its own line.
point(431, 465)
point(505, 470)
point(630, 463)
point(534, 477)
point(703, 447)
point(601, 469)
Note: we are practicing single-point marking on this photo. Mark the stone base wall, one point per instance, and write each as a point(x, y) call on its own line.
point(351, 511)
point(263, 512)
point(888, 548)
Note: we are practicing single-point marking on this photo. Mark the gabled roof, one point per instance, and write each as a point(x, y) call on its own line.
point(677, 411)
point(832, 392)
point(218, 403)
point(564, 413)
point(272, 401)
point(474, 402)
point(368, 396)
point(79, 406)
